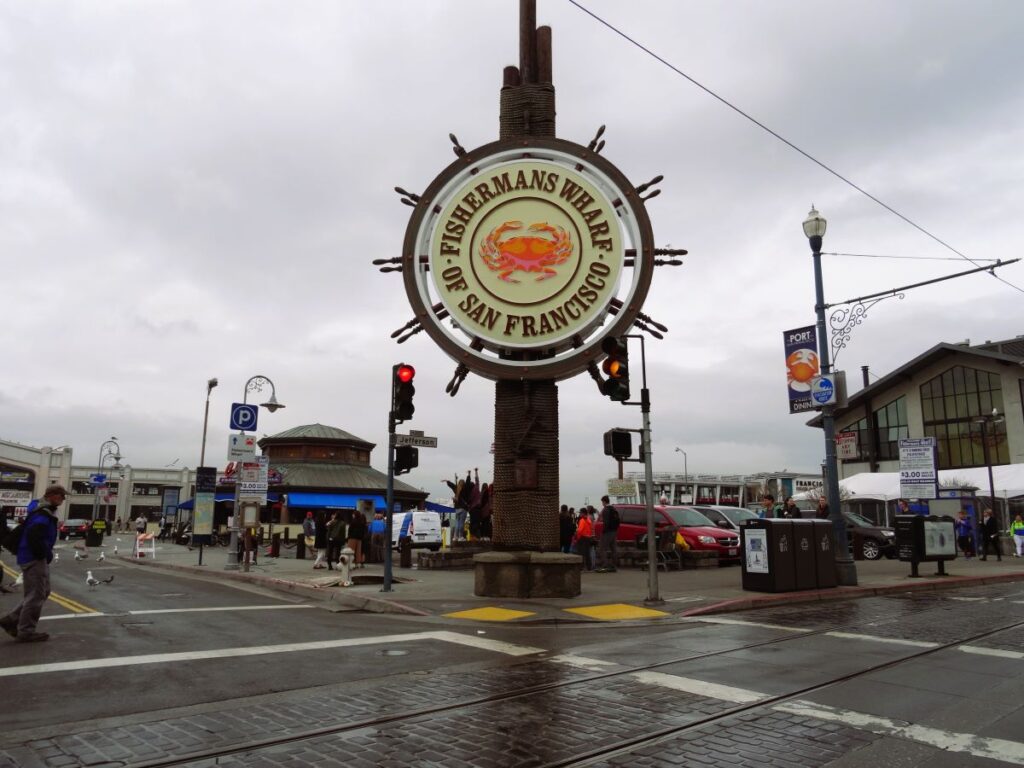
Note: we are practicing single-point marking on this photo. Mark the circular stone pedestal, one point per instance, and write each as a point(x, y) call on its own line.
point(526, 574)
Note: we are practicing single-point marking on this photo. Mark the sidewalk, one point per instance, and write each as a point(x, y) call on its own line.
point(619, 595)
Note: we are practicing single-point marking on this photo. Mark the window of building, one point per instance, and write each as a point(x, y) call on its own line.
point(952, 404)
point(890, 423)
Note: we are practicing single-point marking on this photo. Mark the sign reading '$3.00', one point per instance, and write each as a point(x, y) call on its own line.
point(526, 253)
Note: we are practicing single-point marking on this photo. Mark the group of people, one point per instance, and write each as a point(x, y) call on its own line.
point(988, 535)
point(473, 501)
point(327, 539)
point(576, 533)
point(789, 509)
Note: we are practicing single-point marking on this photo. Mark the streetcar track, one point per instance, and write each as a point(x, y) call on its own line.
point(602, 753)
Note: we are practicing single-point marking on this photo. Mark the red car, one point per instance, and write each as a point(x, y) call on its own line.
point(699, 532)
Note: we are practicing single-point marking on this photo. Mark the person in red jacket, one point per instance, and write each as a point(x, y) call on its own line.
point(585, 540)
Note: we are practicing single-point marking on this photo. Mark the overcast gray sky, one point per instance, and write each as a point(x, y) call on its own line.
point(197, 189)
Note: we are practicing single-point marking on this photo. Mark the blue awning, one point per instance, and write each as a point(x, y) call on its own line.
point(439, 508)
point(332, 500)
point(228, 496)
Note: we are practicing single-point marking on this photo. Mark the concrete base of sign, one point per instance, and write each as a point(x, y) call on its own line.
point(526, 574)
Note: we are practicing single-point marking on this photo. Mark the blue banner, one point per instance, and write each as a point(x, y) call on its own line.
point(801, 366)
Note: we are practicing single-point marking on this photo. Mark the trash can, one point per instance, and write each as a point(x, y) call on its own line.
point(768, 564)
point(825, 553)
point(94, 536)
point(804, 562)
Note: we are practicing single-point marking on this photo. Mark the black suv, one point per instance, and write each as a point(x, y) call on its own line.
point(875, 541)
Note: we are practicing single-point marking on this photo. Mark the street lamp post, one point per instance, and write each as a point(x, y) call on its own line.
point(116, 453)
point(686, 475)
point(254, 384)
point(206, 417)
point(846, 571)
point(986, 421)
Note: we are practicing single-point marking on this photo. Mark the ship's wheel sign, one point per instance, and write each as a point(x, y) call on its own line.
point(515, 258)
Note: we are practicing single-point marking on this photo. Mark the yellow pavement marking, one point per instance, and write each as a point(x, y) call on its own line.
point(64, 602)
point(489, 614)
point(617, 612)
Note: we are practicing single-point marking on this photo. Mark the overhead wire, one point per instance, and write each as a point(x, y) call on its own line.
point(786, 141)
point(889, 256)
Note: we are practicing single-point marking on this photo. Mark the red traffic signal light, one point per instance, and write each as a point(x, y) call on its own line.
point(402, 391)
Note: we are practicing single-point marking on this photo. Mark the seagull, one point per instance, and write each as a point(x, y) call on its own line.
point(102, 557)
point(78, 555)
point(56, 556)
point(115, 548)
point(90, 580)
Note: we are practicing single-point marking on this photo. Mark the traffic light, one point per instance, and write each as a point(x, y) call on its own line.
point(406, 458)
point(402, 390)
point(618, 443)
point(616, 366)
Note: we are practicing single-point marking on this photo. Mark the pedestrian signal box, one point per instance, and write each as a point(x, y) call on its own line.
point(618, 443)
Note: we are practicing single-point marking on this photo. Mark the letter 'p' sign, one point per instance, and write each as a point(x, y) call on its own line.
point(243, 416)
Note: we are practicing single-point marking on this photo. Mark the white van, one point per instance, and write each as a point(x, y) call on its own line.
point(423, 528)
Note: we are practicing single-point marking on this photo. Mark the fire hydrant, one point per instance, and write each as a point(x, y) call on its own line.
point(345, 562)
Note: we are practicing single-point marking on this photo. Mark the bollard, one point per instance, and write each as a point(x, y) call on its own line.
point(275, 545)
point(404, 552)
point(287, 534)
point(300, 547)
point(345, 565)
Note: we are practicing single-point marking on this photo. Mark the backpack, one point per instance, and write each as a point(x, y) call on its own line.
point(12, 540)
point(613, 518)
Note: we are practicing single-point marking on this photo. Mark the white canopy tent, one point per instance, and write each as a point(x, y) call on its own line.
point(885, 486)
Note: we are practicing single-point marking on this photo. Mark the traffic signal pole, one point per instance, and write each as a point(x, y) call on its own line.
point(389, 497)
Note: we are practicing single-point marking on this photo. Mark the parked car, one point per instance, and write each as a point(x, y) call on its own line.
point(74, 528)
point(422, 527)
point(877, 541)
point(699, 532)
point(728, 518)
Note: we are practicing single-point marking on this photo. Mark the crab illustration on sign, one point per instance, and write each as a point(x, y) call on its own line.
point(525, 253)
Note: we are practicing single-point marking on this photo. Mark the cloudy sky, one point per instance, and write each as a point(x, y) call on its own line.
point(197, 189)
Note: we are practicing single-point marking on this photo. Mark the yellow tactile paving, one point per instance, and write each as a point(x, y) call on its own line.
point(489, 614)
point(617, 612)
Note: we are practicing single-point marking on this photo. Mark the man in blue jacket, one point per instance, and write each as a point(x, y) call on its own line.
point(34, 555)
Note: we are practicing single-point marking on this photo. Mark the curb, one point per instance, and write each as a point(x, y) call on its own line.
point(352, 600)
point(848, 593)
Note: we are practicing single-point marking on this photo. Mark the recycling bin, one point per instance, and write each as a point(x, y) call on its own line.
point(804, 563)
point(824, 553)
point(768, 564)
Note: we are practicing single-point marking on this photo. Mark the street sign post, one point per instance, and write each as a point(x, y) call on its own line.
point(241, 447)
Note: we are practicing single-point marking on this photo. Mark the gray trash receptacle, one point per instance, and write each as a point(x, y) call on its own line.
point(767, 562)
point(804, 565)
point(825, 553)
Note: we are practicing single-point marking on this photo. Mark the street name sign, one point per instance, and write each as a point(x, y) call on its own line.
point(417, 441)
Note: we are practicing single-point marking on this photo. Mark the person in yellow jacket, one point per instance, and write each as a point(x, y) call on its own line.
point(1017, 529)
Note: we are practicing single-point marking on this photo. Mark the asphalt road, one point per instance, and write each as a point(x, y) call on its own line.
point(157, 668)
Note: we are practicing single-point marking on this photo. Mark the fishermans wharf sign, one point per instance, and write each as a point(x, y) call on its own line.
point(519, 258)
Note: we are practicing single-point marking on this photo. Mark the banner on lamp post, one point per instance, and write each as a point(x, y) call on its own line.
point(801, 349)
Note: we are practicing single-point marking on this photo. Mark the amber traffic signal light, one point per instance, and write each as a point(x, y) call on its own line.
point(616, 368)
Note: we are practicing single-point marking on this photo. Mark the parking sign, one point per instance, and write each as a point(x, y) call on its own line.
point(243, 417)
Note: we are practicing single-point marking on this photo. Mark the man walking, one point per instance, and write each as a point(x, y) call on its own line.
point(35, 551)
point(989, 536)
point(608, 553)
